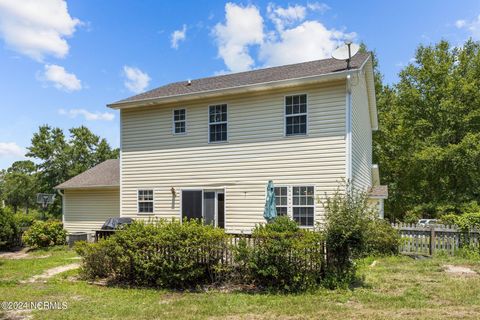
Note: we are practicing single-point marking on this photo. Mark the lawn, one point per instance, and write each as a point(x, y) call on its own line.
point(392, 288)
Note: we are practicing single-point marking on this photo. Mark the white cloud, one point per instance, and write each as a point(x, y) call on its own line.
point(318, 6)
point(37, 28)
point(243, 27)
point(460, 23)
point(177, 36)
point(11, 149)
point(136, 80)
point(90, 116)
point(472, 26)
point(308, 41)
point(282, 17)
point(61, 79)
point(294, 38)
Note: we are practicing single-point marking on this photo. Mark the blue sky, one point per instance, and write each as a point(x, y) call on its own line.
point(62, 62)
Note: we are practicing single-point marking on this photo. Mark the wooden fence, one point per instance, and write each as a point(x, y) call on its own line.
point(433, 239)
point(308, 259)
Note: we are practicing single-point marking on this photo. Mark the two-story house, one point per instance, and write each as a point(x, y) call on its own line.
point(207, 148)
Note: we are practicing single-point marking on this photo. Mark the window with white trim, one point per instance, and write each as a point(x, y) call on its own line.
point(303, 205)
point(281, 200)
point(296, 115)
point(145, 201)
point(217, 123)
point(179, 121)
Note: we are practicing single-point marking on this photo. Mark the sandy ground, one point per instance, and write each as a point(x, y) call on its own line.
point(20, 254)
point(459, 270)
point(54, 271)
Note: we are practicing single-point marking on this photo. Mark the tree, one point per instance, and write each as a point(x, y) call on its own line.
point(19, 185)
point(428, 145)
point(60, 159)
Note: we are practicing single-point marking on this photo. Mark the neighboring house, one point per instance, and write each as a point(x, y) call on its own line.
point(206, 148)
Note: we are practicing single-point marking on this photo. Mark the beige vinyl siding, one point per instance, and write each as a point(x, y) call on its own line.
point(257, 150)
point(86, 210)
point(361, 134)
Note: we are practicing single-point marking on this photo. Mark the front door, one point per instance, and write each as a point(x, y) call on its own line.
point(208, 204)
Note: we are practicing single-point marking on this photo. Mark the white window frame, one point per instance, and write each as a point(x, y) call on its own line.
point(288, 198)
point(152, 201)
point(175, 121)
point(285, 116)
point(219, 122)
point(304, 206)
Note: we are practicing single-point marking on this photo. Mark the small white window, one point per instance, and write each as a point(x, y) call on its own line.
point(303, 205)
point(296, 115)
point(217, 123)
point(281, 200)
point(179, 121)
point(145, 201)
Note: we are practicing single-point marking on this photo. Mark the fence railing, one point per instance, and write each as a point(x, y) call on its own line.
point(437, 238)
point(310, 259)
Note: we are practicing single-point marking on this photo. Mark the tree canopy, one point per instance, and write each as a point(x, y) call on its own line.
point(57, 158)
point(428, 145)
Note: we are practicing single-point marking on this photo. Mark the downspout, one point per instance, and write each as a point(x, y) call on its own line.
point(348, 127)
point(63, 205)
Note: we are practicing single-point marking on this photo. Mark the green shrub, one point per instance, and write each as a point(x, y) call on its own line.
point(24, 220)
point(349, 233)
point(169, 254)
point(412, 217)
point(284, 258)
point(380, 238)
point(464, 221)
point(9, 230)
point(44, 234)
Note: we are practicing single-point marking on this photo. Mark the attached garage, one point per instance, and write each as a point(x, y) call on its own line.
point(91, 198)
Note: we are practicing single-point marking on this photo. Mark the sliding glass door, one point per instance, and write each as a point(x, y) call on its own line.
point(207, 204)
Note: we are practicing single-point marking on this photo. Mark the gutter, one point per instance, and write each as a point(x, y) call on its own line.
point(348, 127)
point(63, 205)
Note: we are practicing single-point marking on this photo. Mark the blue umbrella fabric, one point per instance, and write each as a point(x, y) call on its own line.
point(270, 211)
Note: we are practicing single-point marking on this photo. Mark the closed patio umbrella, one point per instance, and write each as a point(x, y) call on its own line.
point(270, 211)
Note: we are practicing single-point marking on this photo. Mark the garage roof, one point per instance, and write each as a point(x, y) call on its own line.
point(379, 192)
point(103, 175)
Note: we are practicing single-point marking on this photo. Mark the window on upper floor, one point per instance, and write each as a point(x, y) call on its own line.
point(179, 121)
point(296, 115)
point(217, 123)
point(145, 201)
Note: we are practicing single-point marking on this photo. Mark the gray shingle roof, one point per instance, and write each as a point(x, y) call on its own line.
point(233, 80)
point(105, 174)
point(379, 191)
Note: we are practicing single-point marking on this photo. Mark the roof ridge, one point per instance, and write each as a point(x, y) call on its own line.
point(237, 79)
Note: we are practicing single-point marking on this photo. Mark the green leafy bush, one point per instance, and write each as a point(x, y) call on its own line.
point(169, 254)
point(283, 258)
point(380, 238)
point(346, 214)
point(465, 221)
point(9, 230)
point(44, 234)
point(24, 220)
point(412, 217)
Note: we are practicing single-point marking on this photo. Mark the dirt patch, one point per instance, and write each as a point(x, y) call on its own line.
point(20, 254)
point(53, 272)
point(17, 315)
point(459, 270)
